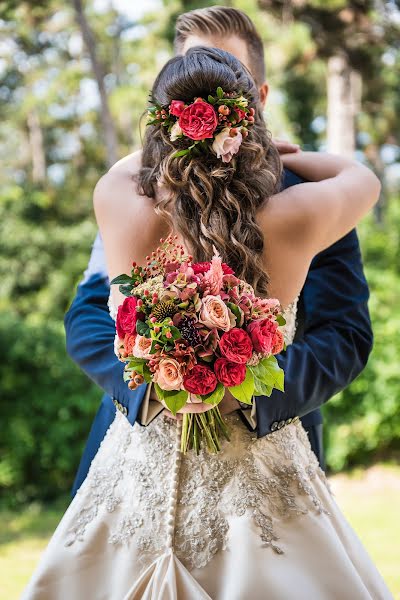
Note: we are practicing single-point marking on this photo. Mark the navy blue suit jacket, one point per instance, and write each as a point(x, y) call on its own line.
point(331, 347)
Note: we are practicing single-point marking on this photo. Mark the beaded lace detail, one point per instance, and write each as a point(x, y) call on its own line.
point(161, 499)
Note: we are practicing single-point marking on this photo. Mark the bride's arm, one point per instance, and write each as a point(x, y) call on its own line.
point(339, 192)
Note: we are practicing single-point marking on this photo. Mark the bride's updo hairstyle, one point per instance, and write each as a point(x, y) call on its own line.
point(208, 201)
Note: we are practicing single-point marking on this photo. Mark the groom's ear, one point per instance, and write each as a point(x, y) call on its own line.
point(263, 91)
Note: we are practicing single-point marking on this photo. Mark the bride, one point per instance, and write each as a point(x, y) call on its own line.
point(256, 521)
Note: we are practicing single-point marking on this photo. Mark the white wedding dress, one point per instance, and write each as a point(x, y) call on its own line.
point(255, 522)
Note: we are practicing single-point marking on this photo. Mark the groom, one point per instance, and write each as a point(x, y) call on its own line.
point(333, 338)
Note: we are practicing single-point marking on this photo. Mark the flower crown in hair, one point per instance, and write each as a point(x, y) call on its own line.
point(216, 125)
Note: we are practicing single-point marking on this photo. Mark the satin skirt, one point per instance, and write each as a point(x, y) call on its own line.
point(256, 521)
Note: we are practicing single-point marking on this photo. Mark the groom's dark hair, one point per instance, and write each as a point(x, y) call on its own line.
point(223, 21)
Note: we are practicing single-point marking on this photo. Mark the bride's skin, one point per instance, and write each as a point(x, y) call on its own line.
point(297, 223)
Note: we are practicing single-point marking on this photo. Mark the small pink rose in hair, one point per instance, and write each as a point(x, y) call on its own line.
point(225, 146)
point(176, 108)
point(175, 132)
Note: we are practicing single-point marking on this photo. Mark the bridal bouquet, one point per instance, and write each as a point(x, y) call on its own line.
point(195, 330)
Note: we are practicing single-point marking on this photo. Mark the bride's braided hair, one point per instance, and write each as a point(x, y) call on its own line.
point(210, 202)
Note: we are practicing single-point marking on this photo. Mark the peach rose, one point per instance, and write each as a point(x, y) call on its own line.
point(141, 347)
point(226, 146)
point(278, 343)
point(129, 342)
point(168, 375)
point(215, 313)
point(175, 132)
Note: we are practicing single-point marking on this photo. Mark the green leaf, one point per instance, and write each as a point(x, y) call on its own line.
point(126, 289)
point(281, 320)
point(121, 279)
point(142, 328)
point(237, 311)
point(174, 399)
point(211, 99)
point(244, 392)
point(216, 396)
point(273, 375)
point(137, 364)
point(181, 153)
point(220, 92)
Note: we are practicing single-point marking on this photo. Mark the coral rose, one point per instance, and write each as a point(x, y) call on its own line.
point(262, 334)
point(198, 120)
point(200, 380)
point(215, 313)
point(129, 342)
point(142, 347)
point(229, 373)
point(168, 374)
point(236, 345)
point(278, 343)
point(127, 317)
point(226, 146)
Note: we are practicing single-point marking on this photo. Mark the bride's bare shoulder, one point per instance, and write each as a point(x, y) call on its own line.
point(117, 188)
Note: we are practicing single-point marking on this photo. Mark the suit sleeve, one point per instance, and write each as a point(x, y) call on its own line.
point(90, 333)
point(335, 342)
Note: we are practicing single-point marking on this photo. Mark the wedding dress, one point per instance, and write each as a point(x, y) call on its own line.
point(254, 522)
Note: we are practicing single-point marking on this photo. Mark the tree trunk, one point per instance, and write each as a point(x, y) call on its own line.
point(105, 113)
point(344, 92)
point(38, 156)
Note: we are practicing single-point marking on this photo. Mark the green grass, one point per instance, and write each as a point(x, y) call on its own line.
point(369, 499)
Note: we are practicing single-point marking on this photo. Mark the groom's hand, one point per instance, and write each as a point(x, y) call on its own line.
point(285, 147)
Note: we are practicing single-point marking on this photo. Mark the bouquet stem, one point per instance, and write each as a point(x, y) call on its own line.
point(198, 427)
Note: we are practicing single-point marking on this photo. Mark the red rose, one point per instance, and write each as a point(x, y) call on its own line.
point(176, 107)
point(203, 267)
point(262, 334)
point(229, 373)
point(200, 380)
point(236, 345)
point(278, 343)
point(198, 120)
point(240, 113)
point(127, 317)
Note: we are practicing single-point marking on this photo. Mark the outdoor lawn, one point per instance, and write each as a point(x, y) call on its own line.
point(370, 500)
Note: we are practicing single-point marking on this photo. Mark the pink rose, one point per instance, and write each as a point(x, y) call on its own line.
point(229, 373)
point(176, 108)
point(236, 345)
point(198, 120)
point(142, 347)
point(215, 313)
point(127, 317)
point(262, 334)
point(226, 146)
point(168, 374)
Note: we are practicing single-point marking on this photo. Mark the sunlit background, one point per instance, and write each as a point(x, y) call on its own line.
point(70, 106)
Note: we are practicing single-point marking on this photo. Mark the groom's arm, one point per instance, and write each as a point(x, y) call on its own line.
point(90, 333)
point(335, 342)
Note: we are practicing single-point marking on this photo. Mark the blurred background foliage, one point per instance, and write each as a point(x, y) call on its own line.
point(74, 81)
